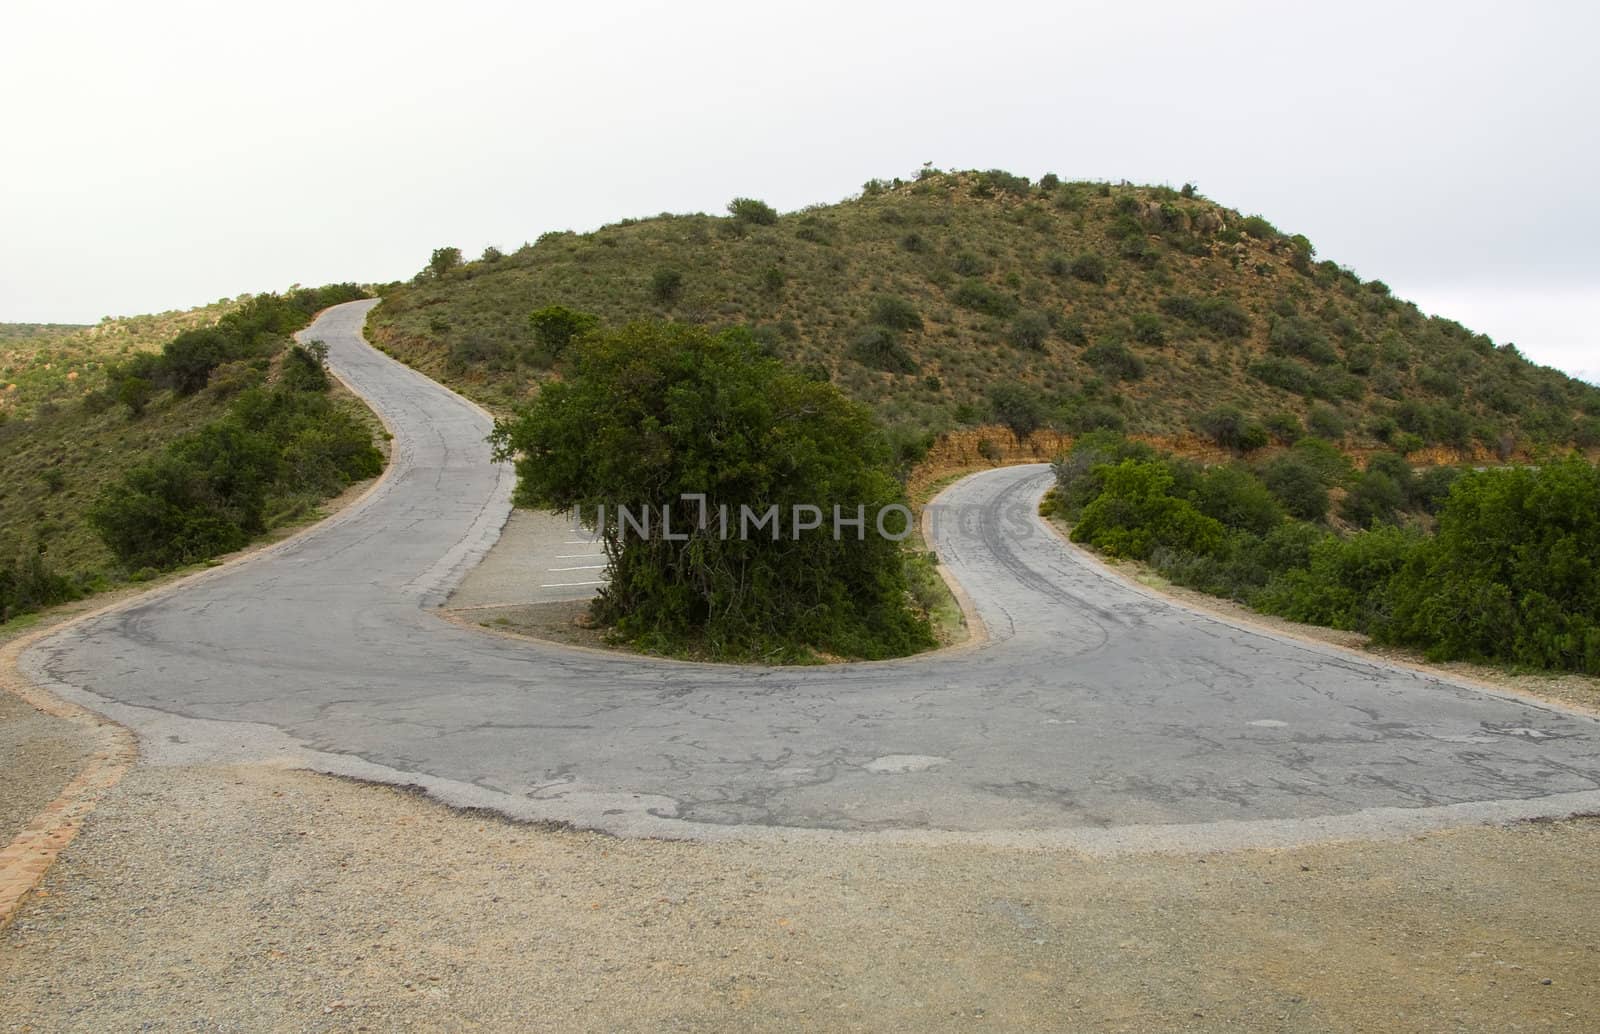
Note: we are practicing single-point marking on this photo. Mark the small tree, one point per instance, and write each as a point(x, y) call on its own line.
point(443, 261)
point(653, 411)
point(1017, 408)
point(666, 285)
point(749, 210)
point(896, 313)
point(1089, 267)
point(135, 393)
point(1030, 330)
point(1230, 428)
point(555, 327)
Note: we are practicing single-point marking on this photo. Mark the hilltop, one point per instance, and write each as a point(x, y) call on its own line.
point(958, 298)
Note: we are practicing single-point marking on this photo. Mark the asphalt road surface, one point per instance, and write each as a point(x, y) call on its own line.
point(1095, 714)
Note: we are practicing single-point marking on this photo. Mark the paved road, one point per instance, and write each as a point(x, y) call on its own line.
point(1096, 714)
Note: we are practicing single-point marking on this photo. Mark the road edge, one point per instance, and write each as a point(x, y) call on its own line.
point(1244, 624)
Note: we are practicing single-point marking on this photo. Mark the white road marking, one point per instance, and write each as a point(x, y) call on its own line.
point(589, 567)
point(576, 556)
point(566, 585)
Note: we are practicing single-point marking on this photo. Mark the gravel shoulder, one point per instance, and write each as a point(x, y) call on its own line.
point(254, 898)
point(39, 755)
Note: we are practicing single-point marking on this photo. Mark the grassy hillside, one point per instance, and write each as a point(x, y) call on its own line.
point(958, 298)
point(51, 364)
point(62, 455)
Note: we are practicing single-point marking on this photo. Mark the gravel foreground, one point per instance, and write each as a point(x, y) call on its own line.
point(259, 899)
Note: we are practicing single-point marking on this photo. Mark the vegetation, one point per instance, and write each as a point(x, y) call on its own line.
point(1499, 565)
point(146, 465)
point(1117, 305)
point(649, 413)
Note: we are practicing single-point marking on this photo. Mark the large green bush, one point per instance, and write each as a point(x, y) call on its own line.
point(1513, 573)
point(653, 411)
point(1134, 514)
point(211, 491)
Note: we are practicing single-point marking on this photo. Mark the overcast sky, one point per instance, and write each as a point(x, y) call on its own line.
point(158, 155)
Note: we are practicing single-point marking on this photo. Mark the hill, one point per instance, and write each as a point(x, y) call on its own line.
point(959, 298)
point(55, 363)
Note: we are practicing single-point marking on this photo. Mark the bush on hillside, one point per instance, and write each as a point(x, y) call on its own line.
point(1018, 408)
point(1373, 498)
point(1230, 428)
point(880, 349)
point(1297, 486)
point(1222, 317)
point(749, 210)
point(1114, 360)
point(1030, 330)
point(554, 327)
point(214, 489)
point(895, 313)
point(980, 297)
point(1090, 268)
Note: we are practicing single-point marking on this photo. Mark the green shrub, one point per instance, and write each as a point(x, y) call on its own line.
point(1089, 267)
point(1030, 330)
point(1346, 583)
point(653, 411)
point(1134, 514)
point(28, 583)
point(1017, 407)
point(1286, 374)
point(1079, 474)
point(304, 369)
point(1113, 359)
point(212, 490)
point(1222, 317)
point(1234, 496)
point(442, 261)
point(1146, 328)
point(1093, 416)
point(1373, 498)
point(980, 297)
point(895, 313)
point(1512, 574)
point(1284, 426)
point(966, 263)
point(1298, 337)
point(1297, 485)
point(1325, 422)
point(666, 285)
point(554, 327)
point(749, 210)
point(998, 181)
point(880, 348)
point(1228, 426)
point(135, 393)
point(1258, 228)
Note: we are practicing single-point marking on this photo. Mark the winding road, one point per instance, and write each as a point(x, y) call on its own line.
point(1095, 714)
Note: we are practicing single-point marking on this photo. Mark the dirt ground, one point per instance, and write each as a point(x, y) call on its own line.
point(266, 899)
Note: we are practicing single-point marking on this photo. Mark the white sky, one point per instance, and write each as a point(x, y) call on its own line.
point(160, 154)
